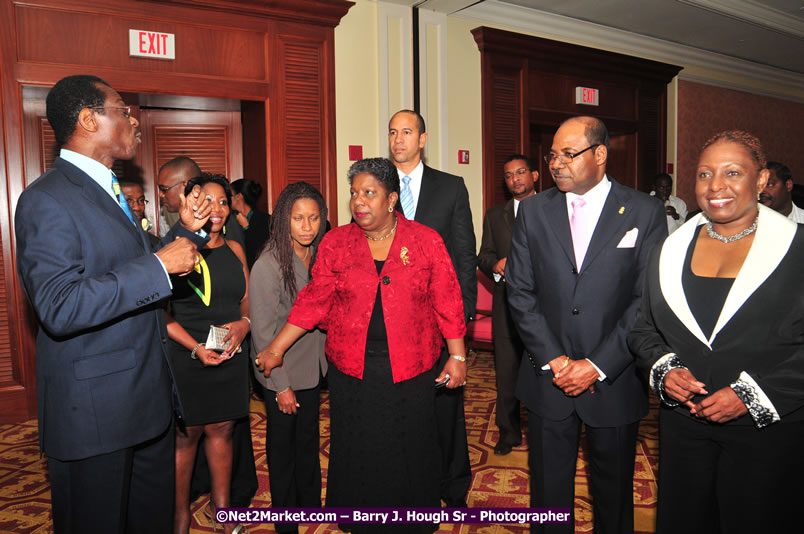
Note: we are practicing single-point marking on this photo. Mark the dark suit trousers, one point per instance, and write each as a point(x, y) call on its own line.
point(552, 455)
point(507, 359)
point(735, 479)
point(292, 446)
point(456, 475)
point(126, 491)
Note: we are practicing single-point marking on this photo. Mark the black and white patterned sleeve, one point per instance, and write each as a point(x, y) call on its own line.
point(759, 405)
point(659, 370)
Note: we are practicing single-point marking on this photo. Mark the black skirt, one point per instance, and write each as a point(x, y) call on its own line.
point(383, 446)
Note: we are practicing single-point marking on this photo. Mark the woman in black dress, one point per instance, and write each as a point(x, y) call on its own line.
point(212, 386)
point(385, 290)
point(256, 223)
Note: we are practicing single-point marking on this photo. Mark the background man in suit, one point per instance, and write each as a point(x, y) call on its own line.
point(440, 201)
point(777, 195)
point(172, 177)
point(103, 380)
point(520, 177)
point(574, 276)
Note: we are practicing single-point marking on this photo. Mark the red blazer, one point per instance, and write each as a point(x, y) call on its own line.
point(421, 298)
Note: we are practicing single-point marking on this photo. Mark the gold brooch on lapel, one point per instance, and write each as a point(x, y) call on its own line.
point(622, 210)
point(403, 253)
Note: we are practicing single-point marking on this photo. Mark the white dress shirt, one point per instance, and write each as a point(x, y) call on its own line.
point(796, 215)
point(95, 169)
point(681, 209)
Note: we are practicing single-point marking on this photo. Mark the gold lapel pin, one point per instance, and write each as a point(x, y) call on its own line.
point(622, 210)
point(403, 253)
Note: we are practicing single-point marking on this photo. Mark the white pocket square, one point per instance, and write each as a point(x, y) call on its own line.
point(629, 239)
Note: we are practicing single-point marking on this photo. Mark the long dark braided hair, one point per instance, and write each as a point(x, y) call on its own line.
point(280, 243)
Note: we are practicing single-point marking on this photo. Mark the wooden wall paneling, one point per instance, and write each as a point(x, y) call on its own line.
point(17, 324)
point(201, 50)
point(632, 102)
point(323, 12)
point(225, 49)
point(550, 91)
point(224, 55)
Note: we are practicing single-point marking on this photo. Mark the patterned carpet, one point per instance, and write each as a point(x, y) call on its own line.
point(498, 481)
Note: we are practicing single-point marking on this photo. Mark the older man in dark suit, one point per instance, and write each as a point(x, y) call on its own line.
point(574, 276)
point(103, 380)
point(440, 201)
point(520, 177)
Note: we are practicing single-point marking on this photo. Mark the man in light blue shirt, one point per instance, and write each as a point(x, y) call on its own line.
point(104, 385)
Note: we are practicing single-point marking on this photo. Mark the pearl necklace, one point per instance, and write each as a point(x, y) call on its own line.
point(730, 238)
point(386, 236)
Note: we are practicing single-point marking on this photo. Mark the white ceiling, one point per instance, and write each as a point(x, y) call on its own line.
point(765, 32)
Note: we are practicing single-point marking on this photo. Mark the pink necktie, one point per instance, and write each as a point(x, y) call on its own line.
point(578, 227)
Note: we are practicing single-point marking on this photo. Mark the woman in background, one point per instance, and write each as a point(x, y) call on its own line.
point(385, 290)
point(212, 386)
point(291, 392)
point(721, 334)
point(256, 223)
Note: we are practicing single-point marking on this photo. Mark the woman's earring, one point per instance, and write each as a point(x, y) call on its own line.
point(390, 209)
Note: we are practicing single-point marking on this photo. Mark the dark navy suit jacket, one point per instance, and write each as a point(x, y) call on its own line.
point(103, 381)
point(587, 314)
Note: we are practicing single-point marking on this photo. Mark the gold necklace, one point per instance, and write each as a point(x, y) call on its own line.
point(386, 236)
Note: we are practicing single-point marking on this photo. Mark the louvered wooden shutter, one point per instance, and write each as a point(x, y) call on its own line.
point(304, 114)
point(507, 118)
point(206, 144)
point(49, 151)
point(6, 361)
point(47, 147)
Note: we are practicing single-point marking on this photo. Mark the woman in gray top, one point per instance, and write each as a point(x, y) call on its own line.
point(291, 392)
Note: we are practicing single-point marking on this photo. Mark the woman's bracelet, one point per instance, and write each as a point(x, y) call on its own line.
point(278, 393)
point(192, 354)
point(274, 353)
point(459, 357)
point(249, 321)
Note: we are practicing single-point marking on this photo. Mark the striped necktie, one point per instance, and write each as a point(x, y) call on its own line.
point(121, 198)
point(406, 197)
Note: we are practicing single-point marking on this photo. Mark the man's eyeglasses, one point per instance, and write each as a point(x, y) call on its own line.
point(166, 188)
point(141, 201)
point(125, 110)
point(518, 172)
point(566, 157)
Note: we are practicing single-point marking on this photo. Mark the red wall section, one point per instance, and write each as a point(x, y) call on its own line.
point(704, 110)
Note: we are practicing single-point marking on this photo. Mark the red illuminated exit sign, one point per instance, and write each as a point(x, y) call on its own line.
point(587, 96)
point(142, 43)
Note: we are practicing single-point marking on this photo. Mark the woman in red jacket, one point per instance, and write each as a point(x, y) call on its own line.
point(385, 290)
